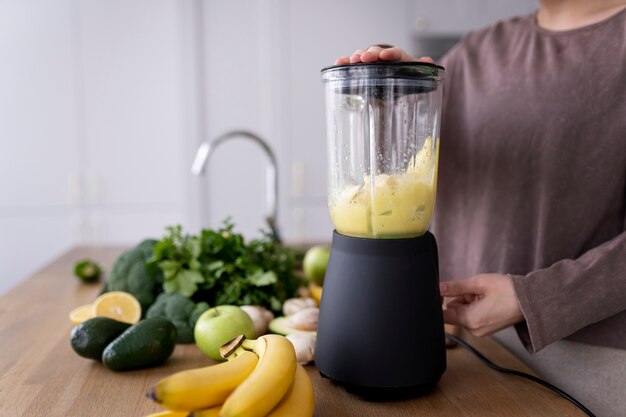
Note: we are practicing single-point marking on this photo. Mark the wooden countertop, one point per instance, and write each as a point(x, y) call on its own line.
point(41, 375)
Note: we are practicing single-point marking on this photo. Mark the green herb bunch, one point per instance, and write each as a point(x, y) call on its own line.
point(219, 267)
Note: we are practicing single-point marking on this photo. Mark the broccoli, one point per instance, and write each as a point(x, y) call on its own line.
point(181, 311)
point(131, 274)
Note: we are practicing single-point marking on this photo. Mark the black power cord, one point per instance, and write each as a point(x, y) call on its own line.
point(492, 365)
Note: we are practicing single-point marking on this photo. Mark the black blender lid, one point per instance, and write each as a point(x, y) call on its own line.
point(412, 77)
point(383, 69)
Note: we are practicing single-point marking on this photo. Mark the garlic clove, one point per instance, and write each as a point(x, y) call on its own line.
point(306, 319)
point(293, 305)
point(304, 345)
point(261, 318)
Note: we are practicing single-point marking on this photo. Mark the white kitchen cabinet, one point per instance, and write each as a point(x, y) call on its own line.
point(96, 130)
point(239, 94)
point(133, 100)
point(103, 104)
point(272, 85)
point(39, 145)
point(38, 123)
point(313, 35)
point(316, 33)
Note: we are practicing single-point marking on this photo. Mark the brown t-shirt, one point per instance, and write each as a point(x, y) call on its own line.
point(532, 174)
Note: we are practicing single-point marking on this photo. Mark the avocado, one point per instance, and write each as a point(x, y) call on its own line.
point(281, 325)
point(91, 337)
point(148, 343)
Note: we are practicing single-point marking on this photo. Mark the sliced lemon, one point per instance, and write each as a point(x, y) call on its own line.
point(81, 314)
point(118, 305)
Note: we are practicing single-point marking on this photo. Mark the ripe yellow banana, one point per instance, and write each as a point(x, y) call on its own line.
point(169, 414)
point(268, 383)
point(211, 412)
point(299, 400)
point(203, 388)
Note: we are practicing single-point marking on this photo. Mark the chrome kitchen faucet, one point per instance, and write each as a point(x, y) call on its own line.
point(206, 149)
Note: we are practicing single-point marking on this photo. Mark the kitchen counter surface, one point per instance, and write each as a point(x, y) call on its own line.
point(41, 375)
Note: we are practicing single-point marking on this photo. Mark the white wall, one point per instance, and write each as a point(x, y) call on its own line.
point(39, 143)
point(263, 60)
point(93, 125)
point(104, 102)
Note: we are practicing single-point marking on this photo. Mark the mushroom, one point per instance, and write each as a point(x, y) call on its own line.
point(304, 344)
point(261, 318)
point(293, 305)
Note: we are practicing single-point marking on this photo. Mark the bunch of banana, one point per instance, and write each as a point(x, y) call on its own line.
point(260, 378)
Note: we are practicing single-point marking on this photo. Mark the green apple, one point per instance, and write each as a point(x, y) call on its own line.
point(220, 324)
point(315, 262)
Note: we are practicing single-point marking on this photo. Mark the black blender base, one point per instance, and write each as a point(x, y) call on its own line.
point(380, 332)
point(383, 394)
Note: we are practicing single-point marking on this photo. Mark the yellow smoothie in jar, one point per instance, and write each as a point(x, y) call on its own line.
point(393, 206)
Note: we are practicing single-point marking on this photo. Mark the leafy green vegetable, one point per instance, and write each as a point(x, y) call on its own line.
point(181, 311)
point(132, 274)
point(219, 267)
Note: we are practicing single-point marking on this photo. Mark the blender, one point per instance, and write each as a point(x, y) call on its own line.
point(381, 327)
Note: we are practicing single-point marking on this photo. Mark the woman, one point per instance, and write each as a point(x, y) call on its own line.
point(531, 205)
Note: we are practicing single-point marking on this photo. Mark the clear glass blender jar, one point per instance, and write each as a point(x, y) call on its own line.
point(383, 122)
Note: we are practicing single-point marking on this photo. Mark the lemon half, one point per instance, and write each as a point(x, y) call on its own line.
point(117, 305)
point(81, 314)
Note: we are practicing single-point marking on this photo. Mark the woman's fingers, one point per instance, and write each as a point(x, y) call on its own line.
point(375, 53)
point(469, 286)
point(457, 313)
point(356, 56)
point(483, 304)
point(469, 316)
point(394, 54)
point(426, 59)
point(399, 54)
point(372, 54)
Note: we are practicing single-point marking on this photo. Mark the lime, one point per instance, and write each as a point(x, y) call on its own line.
point(87, 270)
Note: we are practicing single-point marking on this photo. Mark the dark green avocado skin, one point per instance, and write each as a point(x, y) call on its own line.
point(148, 343)
point(91, 337)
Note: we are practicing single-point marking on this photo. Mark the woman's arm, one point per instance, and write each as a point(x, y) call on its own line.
point(545, 305)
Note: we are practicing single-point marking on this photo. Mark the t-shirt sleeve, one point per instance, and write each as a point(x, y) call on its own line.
point(571, 294)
